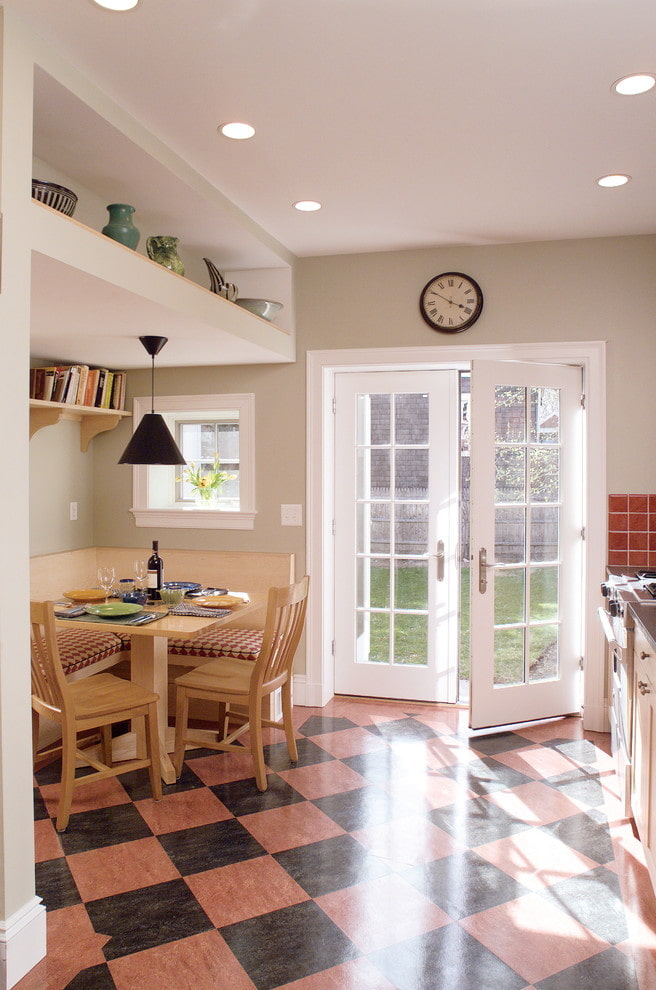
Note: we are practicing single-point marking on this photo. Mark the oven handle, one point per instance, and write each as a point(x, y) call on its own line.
point(607, 628)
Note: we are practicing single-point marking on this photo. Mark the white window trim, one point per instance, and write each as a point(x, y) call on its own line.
point(191, 517)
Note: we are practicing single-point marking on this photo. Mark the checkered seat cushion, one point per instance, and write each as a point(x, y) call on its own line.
point(79, 648)
point(242, 644)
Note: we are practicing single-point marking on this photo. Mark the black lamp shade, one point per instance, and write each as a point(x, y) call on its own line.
point(152, 443)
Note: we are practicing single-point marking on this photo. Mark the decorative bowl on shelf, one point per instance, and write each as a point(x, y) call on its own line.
point(266, 308)
point(58, 197)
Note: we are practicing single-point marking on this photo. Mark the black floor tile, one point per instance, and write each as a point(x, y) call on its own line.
point(316, 725)
point(137, 783)
point(587, 833)
point(498, 742)
point(485, 776)
point(276, 755)
point(55, 884)
point(464, 884)
point(332, 864)
point(94, 978)
point(387, 766)
point(103, 827)
point(40, 808)
point(403, 730)
point(477, 821)
point(361, 807)
point(194, 850)
point(142, 919)
point(579, 750)
point(276, 948)
point(581, 785)
point(595, 900)
point(446, 959)
point(610, 970)
point(242, 797)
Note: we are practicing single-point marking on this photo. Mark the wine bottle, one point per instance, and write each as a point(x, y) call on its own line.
point(155, 571)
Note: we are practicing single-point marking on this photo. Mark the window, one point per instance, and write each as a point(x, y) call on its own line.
point(204, 426)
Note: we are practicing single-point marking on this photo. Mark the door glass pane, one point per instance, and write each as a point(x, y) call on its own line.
point(373, 583)
point(411, 528)
point(510, 414)
point(373, 527)
point(545, 415)
point(411, 473)
point(544, 594)
point(508, 657)
point(411, 418)
point(543, 653)
point(411, 579)
point(411, 640)
point(373, 419)
point(510, 474)
point(544, 532)
point(545, 463)
point(509, 597)
point(509, 535)
point(373, 473)
point(372, 637)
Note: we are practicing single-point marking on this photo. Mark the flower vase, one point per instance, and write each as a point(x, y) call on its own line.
point(120, 227)
point(164, 250)
point(207, 503)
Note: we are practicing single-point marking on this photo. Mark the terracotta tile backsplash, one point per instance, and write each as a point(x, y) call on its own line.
point(632, 530)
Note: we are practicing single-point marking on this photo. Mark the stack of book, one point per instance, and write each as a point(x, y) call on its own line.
point(79, 385)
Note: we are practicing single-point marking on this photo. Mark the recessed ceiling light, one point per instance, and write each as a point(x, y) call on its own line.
point(613, 180)
point(237, 130)
point(634, 85)
point(116, 4)
point(307, 205)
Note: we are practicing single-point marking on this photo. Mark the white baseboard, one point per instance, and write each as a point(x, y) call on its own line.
point(22, 942)
point(595, 718)
point(309, 695)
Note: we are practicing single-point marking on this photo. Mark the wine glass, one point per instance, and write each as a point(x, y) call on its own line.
point(141, 572)
point(106, 580)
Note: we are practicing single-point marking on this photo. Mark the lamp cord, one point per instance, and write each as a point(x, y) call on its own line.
point(152, 385)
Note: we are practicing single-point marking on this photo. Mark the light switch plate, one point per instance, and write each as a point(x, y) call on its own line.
point(291, 515)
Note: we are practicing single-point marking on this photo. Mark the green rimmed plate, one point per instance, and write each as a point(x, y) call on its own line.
point(114, 610)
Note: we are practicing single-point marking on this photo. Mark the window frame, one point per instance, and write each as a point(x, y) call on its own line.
point(190, 516)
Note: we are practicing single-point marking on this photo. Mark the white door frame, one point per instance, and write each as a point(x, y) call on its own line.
point(315, 687)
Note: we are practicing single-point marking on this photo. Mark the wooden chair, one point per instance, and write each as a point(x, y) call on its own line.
point(96, 702)
point(247, 683)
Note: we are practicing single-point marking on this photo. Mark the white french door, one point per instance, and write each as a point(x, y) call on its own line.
point(396, 534)
point(527, 501)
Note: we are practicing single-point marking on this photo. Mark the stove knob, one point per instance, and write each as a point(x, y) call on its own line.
point(605, 591)
point(614, 608)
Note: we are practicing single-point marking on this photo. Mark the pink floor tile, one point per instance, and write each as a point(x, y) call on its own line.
point(406, 842)
point(359, 974)
point(382, 912)
point(116, 869)
point(533, 937)
point(222, 768)
point(290, 826)
point(537, 761)
point(350, 742)
point(201, 962)
point(534, 803)
point(322, 779)
point(184, 809)
point(71, 947)
point(98, 794)
point(47, 844)
point(535, 859)
point(244, 890)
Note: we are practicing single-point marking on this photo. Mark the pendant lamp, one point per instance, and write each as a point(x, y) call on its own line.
point(152, 442)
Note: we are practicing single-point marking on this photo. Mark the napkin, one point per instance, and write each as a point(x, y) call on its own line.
point(187, 608)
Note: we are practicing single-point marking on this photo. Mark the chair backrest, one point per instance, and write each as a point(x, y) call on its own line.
point(48, 679)
point(285, 618)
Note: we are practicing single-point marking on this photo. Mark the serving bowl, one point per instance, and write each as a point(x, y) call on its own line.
point(266, 308)
point(58, 197)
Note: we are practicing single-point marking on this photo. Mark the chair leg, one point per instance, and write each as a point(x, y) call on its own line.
point(152, 747)
point(257, 751)
point(181, 715)
point(106, 744)
point(286, 701)
point(223, 715)
point(35, 734)
point(69, 740)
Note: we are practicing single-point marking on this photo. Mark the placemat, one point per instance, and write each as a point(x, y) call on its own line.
point(141, 618)
point(187, 608)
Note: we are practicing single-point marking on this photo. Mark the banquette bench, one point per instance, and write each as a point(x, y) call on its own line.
point(86, 652)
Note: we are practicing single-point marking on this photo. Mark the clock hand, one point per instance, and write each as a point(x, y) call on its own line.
point(450, 301)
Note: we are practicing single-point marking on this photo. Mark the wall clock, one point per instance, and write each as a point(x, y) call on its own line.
point(451, 302)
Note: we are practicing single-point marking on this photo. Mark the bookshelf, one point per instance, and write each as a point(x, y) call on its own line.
point(92, 419)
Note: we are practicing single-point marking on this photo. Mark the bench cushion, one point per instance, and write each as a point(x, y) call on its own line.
point(242, 644)
point(80, 648)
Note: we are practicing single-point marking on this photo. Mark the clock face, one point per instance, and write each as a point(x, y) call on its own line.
point(451, 302)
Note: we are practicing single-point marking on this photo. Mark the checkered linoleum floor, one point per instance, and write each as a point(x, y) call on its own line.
point(402, 851)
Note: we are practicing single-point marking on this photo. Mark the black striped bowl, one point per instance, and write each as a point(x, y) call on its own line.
point(58, 197)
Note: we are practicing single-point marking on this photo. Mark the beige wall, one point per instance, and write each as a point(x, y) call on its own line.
point(602, 289)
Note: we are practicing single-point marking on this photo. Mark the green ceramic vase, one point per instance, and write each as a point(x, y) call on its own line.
point(164, 250)
point(120, 227)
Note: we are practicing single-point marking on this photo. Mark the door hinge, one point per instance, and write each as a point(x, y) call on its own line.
point(581, 663)
point(583, 400)
point(333, 528)
point(334, 405)
point(332, 647)
point(583, 532)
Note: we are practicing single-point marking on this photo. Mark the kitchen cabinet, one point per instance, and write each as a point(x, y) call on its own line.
point(643, 795)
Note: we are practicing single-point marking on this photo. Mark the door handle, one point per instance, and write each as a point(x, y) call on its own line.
point(482, 570)
point(439, 553)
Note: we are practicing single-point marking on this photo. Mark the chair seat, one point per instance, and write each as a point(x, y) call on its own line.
point(234, 676)
point(242, 644)
point(79, 648)
point(104, 693)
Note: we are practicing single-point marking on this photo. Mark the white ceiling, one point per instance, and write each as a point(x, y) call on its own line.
point(416, 123)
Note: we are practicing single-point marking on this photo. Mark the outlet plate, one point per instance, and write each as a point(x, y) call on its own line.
point(291, 515)
point(72, 511)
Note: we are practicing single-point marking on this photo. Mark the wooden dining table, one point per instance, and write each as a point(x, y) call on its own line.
point(149, 662)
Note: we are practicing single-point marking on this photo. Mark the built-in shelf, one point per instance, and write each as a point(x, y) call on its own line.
point(92, 420)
